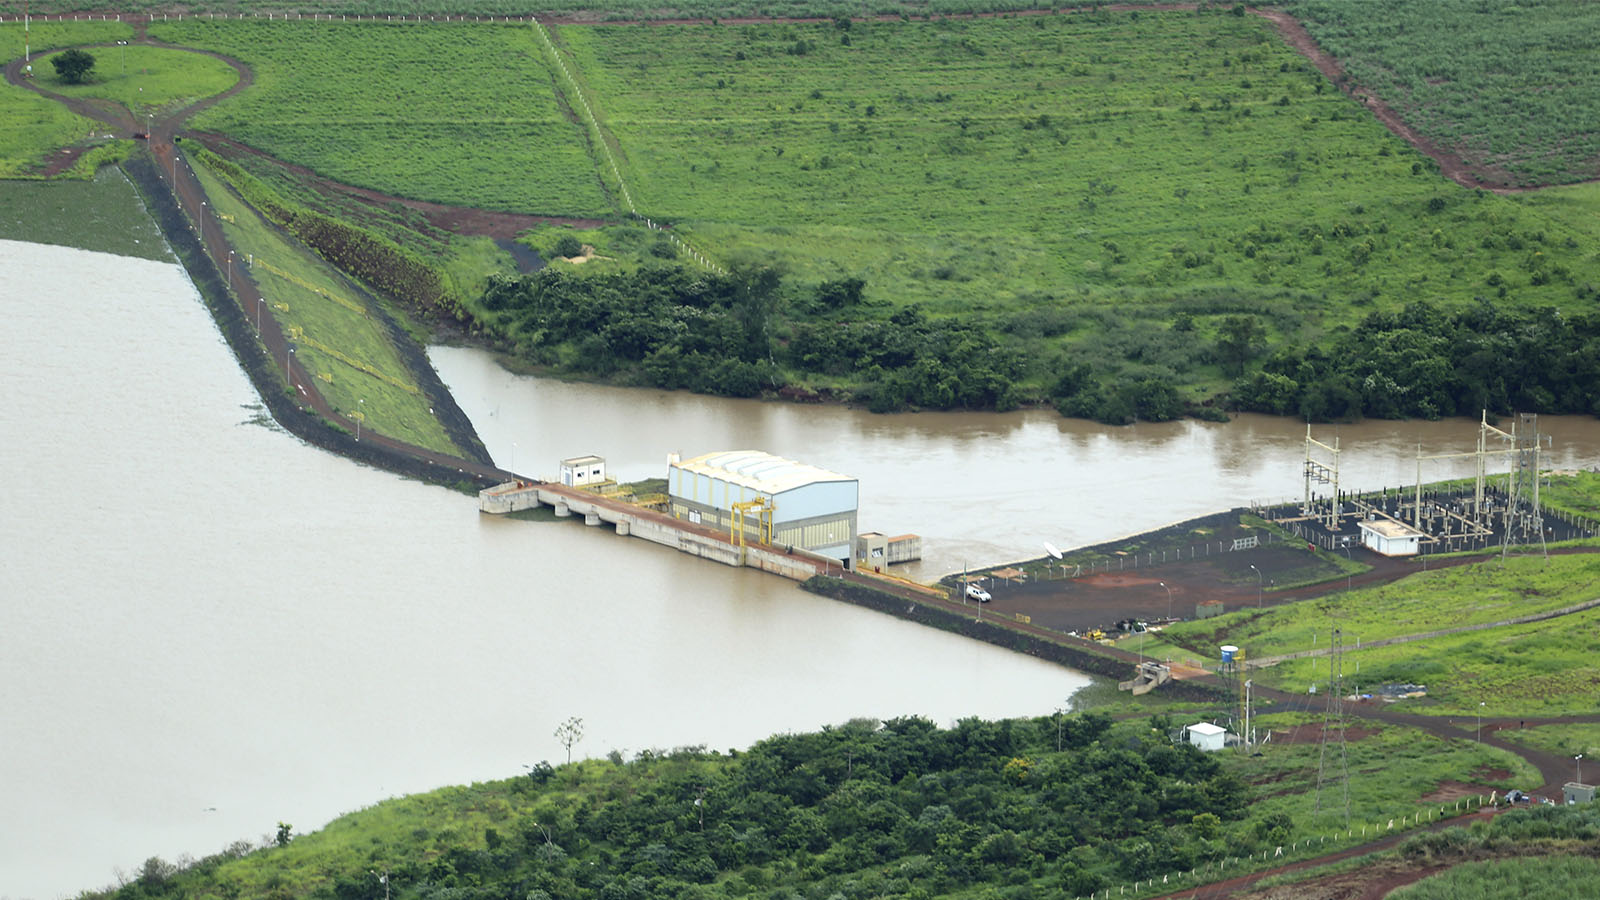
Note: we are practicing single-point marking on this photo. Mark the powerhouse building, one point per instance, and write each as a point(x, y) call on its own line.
point(812, 508)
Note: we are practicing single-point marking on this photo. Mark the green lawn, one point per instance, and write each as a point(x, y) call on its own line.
point(370, 378)
point(459, 113)
point(149, 80)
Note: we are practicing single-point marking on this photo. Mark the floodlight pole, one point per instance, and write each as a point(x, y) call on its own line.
point(1259, 592)
point(1169, 599)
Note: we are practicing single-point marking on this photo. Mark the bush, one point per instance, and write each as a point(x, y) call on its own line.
point(568, 247)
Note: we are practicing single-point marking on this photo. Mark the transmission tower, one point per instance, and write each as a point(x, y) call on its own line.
point(1317, 472)
point(1333, 717)
point(1524, 516)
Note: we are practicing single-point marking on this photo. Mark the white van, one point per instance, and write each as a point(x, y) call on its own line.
point(978, 593)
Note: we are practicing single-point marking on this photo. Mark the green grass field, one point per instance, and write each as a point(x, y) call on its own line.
point(1563, 740)
point(1391, 770)
point(1557, 876)
point(463, 114)
point(1537, 669)
point(147, 80)
point(35, 125)
point(370, 379)
point(1509, 87)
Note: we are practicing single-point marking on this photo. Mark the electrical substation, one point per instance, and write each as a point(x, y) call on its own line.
point(1497, 508)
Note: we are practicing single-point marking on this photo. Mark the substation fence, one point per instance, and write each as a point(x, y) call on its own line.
point(1178, 554)
point(1309, 848)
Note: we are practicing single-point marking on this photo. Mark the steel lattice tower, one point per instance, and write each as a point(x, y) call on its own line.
point(1333, 716)
point(1524, 516)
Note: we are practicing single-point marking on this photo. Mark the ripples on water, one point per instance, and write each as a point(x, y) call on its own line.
point(197, 612)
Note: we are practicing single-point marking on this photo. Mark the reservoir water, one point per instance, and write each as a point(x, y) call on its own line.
point(207, 627)
point(980, 488)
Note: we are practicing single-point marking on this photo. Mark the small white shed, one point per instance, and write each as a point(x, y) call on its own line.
point(1390, 538)
point(581, 470)
point(1207, 736)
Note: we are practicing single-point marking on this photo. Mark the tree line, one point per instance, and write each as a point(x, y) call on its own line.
point(1052, 806)
point(1423, 361)
point(739, 334)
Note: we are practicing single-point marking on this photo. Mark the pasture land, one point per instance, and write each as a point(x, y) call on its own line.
point(1510, 88)
point(454, 113)
point(344, 347)
point(1541, 668)
point(35, 125)
point(1072, 182)
point(146, 80)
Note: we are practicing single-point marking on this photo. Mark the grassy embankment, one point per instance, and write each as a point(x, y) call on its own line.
point(1460, 74)
point(37, 127)
point(338, 340)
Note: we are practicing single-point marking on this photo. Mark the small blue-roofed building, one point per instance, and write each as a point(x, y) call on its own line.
point(812, 509)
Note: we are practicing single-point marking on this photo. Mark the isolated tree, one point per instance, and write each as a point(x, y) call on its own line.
point(285, 832)
point(568, 246)
point(568, 733)
point(1238, 339)
point(73, 66)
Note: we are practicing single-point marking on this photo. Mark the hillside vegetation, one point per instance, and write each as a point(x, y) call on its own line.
point(1122, 213)
point(1045, 807)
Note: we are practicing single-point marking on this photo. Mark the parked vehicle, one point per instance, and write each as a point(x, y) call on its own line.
point(978, 593)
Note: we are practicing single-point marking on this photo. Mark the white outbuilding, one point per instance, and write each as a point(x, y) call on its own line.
point(810, 508)
point(1207, 736)
point(1390, 538)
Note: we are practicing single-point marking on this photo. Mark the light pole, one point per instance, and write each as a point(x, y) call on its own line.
point(1169, 599)
point(1349, 575)
point(1259, 594)
point(259, 300)
point(1579, 760)
point(361, 416)
point(1480, 722)
point(124, 46)
point(230, 270)
point(288, 353)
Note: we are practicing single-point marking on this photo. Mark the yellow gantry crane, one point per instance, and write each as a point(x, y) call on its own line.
point(762, 509)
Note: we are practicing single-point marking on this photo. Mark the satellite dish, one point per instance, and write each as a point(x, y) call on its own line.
point(1052, 550)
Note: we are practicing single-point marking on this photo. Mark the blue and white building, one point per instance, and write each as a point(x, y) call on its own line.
point(812, 509)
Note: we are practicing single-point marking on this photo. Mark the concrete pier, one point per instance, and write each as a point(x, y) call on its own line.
point(659, 528)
